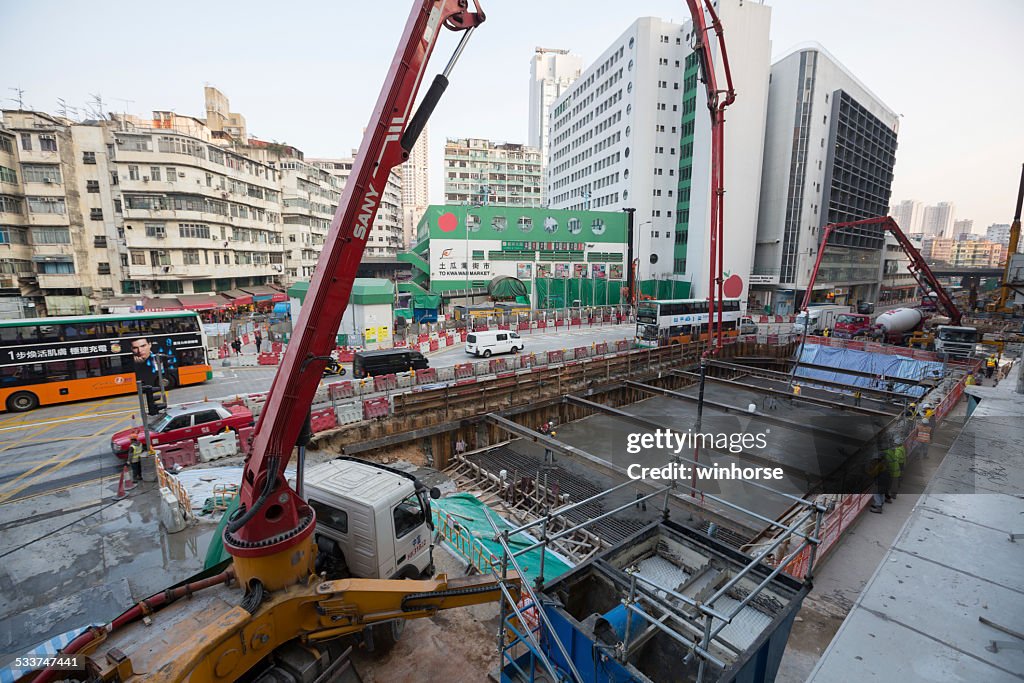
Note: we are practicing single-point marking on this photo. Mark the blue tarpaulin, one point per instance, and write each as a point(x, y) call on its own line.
point(887, 368)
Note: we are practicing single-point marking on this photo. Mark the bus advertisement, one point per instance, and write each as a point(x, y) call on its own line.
point(681, 321)
point(45, 361)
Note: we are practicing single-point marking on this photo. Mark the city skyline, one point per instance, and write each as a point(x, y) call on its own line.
point(946, 156)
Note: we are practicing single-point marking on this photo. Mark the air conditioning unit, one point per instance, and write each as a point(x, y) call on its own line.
point(48, 180)
point(145, 178)
point(166, 269)
point(181, 174)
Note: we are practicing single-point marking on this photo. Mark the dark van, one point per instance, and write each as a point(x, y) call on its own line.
point(386, 362)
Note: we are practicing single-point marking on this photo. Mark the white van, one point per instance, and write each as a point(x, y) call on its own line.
point(493, 341)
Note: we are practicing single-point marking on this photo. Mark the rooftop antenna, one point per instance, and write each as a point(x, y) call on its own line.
point(126, 103)
point(95, 107)
point(64, 109)
point(20, 99)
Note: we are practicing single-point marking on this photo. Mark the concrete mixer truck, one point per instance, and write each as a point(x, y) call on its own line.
point(900, 323)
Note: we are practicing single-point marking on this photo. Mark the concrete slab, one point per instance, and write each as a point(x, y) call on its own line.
point(953, 562)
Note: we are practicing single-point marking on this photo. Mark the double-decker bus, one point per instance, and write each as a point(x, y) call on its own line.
point(44, 361)
point(680, 321)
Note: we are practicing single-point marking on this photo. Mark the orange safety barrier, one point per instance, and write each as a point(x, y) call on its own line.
point(463, 370)
point(497, 365)
point(181, 454)
point(376, 408)
point(426, 376)
point(385, 382)
point(601, 349)
point(556, 356)
point(338, 390)
point(580, 352)
point(269, 358)
point(323, 419)
point(434, 345)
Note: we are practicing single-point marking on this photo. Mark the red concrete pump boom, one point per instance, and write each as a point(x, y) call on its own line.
point(918, 267)
point(272, 518)
point(718, 100)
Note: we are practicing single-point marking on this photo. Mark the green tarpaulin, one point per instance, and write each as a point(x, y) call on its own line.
point(470, 515)
point(216, 554)
point(430, 301)
point(555, 293)
point(505, 288)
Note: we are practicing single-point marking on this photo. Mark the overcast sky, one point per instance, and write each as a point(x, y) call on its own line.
point(308, 73)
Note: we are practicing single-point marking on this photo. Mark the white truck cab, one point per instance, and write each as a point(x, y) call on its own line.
point(373, 522)
point(493, 341)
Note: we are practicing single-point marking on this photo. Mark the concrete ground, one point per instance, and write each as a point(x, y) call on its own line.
point(846, 570)
point(70, 553)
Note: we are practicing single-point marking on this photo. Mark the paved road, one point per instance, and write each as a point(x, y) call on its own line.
point(59, 447)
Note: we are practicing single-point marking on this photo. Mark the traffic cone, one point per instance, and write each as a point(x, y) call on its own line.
point(120, 484)
point(129, 479)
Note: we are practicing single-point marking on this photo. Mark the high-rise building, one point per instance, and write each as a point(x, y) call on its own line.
point(962, 228)
point(551, 73)
point(909, 215)
point(633, 132)
point(386, 236)
point(309, 199)
point(938, 220)
point(415, 187)
point(478, 171)
point(829, 155)
point(998, 232)
point(137, 207)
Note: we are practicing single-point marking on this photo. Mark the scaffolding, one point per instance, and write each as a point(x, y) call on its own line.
point(694, 614)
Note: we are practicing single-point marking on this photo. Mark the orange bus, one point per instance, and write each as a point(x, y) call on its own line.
point(44, 361)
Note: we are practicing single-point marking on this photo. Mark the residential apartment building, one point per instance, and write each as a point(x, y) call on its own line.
point(964, 253)
point(962, 229)
point(633, 133)
point(998, 232)
point(909, 215)
point(387, 236)
point(199, 214)
point(415, 187)
point(478, 171)
point(938, 220)
point(552, 71)
point(829, 155)
point(309, 200)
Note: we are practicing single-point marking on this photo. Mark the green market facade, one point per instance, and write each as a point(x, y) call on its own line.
point(561, 256)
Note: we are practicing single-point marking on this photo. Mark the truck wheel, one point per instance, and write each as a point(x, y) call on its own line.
point(487, 353)
point(21, 401)
point(383, 637)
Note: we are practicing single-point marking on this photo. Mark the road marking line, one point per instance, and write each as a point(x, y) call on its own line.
point(8, 489)
point(62, 420)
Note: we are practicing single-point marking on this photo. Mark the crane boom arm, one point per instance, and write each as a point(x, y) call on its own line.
point(918, 266)
point(271, 515)
point(717, 101)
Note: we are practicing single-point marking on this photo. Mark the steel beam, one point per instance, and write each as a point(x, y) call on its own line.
point(805, 399)
point(784, 377)
point(811, 478)
point(765, 417)
point(619, 473)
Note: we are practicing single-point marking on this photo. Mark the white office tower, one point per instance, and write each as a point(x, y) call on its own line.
point(909, 215)
point(634, 132)
point(552, 71)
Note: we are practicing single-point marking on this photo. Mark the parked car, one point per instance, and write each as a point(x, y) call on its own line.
point(386, 362)
point(493, 341)
point(183, 423)
point(747, 325)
